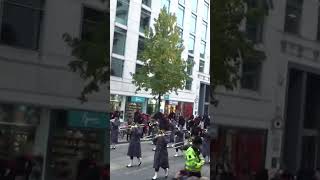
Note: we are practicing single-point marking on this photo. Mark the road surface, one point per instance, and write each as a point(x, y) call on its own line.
point(119, 160)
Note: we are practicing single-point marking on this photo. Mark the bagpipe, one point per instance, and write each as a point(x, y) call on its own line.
point(159, 134)
point(153, 124)
point(130, 127)
point(183, 146)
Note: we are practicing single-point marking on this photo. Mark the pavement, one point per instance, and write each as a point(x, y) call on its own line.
point(119, 160)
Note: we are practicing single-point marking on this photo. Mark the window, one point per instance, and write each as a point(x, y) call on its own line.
point(21, 22)
point(117, 67)
point(204, 31)
point(253, 28)
point(181, 33)
point(138, 66)
point(251, 75)
point(206, 11)
point(191, 44)
point(293, 16)
point(181, 1)
point(318, 33)
point(165, 3)
point(194, 5)
point(190, 65)
point(188, 84)
point(193, 24)
point(144, 20)
point(201, 66)
point(140, 46)
point(122, 11)
point(202, 49)
point(180, 16)
point(91, 22)
point(147, 2)
point(119, 41)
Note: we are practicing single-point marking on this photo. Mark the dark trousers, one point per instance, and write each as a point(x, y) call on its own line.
point(196, 174)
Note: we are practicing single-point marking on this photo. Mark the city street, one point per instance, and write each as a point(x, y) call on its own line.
point(119, 160)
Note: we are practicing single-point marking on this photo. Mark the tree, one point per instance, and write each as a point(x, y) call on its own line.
point(92, 56)
point(230, 44)
point(163, 69)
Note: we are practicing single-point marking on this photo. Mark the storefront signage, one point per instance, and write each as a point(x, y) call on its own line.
point(85, 119)
point(173, 102)
point(135, 99)
point(166, 97)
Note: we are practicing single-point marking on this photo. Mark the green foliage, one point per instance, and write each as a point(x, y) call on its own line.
point(229, 42)
point(163, 69)
point(92, 58)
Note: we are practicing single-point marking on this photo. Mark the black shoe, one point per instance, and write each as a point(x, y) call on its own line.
point(139, 163)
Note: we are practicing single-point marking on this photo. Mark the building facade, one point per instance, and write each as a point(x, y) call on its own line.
point(274, 121)
point(128, 19)
point(39, 106)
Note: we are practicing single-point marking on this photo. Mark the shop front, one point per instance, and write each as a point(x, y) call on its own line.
point(117, 103)
point(242, 149)
point(22, 134)
point(172, 106)
point(133, 104)
point(75, 135)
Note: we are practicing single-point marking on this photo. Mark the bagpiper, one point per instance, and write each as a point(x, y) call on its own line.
point(115, 123)
point(205, 149)
point(161, 154)
point(134, 149)
point(179, 140)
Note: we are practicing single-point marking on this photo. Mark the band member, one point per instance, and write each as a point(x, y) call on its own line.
point(161, 154)
point(182, 122)
point(205, 149)
point(179, 141)
point(115, 123)
point(173, 128)
point(134, 149)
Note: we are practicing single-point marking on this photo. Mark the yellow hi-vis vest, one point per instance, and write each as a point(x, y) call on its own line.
point(194, 163)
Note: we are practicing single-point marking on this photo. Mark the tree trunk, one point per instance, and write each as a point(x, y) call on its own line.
point(159, 102)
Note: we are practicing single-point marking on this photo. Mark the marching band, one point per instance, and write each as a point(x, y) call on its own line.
point(163, 130)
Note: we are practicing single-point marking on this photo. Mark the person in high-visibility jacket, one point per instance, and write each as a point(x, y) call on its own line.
point(194, 160)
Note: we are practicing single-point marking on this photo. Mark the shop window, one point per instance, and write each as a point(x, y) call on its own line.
point(251, 75)
point(191, 44)
point(147, 2)
point(18, 125)
point(122, 11)
point(144, 20)
point(119, 41)
point(190, 63)
point(117, 67)
point(91, 22)
point(202, 49)
point(21, 23)
point(201, 66)
point(206, 11)
point(166, 4)
point(188, 84)
point(293, 16)
point(194, 5)
point(180, 16)
point(140, 47)
point(193, 24)
point(204, 31)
